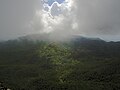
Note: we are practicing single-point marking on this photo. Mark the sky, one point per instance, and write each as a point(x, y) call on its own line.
point(50, 2)
point(60, 18)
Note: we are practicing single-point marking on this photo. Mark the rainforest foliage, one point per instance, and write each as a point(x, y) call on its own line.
point(75, 65)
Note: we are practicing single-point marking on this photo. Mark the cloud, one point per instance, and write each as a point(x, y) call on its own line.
point(15, 16)
point(99, 18)
point(60, 23)
point(85, 17)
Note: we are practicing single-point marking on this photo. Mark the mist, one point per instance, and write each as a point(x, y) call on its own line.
point(93, 18)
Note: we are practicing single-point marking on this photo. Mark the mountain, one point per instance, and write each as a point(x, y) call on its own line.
point(36, 37)
point(49, 37)
point(82, 63)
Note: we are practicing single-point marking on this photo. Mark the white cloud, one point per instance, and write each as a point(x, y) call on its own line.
point(100, 18)
point(60, 24)
point(84, 17)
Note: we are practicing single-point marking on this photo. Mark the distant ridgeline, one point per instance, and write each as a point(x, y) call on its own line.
point(29, 63)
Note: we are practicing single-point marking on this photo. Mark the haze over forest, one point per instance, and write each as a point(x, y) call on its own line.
point(96, 18)
point(59, 44)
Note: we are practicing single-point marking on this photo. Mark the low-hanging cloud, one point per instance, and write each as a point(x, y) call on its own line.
point(86, 17)
point(99, 18)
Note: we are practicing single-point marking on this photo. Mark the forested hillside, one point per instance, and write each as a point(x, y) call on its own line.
point(80, 64)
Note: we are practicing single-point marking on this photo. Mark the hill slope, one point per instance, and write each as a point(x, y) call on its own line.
point(80, 64)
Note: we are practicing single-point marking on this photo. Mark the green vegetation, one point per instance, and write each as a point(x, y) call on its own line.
point(77, 65)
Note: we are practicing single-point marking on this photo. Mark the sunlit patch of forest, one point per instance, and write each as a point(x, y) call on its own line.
point(75, 65)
